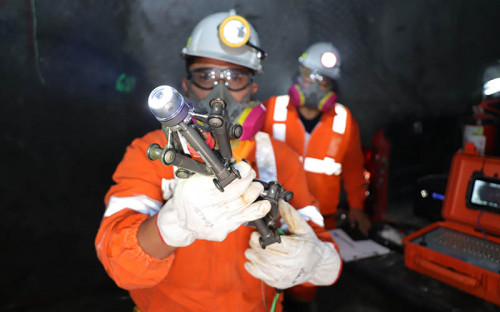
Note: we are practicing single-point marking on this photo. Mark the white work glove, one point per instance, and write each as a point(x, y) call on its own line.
point(198, 210)
point(300, 257)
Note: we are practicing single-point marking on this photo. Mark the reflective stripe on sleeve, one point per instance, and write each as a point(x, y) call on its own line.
point(139, 203)
point(264, 155)
point(280, 105)
point(340, 119)
point(326, 166)
point(279, 131)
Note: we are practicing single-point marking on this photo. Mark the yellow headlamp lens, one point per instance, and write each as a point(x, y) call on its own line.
point(234, 31)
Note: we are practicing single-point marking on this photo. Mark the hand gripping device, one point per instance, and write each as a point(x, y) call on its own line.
point(180, 123)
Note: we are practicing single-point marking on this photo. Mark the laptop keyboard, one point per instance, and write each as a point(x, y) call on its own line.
point(471, 249)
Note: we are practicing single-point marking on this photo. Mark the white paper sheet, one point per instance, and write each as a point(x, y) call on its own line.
point(351, 250)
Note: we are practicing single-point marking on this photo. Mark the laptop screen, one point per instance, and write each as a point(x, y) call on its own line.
point(484, 192)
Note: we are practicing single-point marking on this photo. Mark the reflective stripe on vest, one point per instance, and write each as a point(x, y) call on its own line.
point(279, 116)
point(266, 163)
point(340, 119)
point(280, 108)
point(326, 166)
point(264, 155)
point(279, 131)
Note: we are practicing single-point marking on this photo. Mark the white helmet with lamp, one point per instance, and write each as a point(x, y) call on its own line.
point(230, 38)
point(227, 37)
point(319, 66)
point(323, 57)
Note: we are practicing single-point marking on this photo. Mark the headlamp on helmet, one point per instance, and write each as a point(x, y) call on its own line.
point(227, 37)
point(328, 59)
point(235, 31)
point(323, 57)
point(491, 81)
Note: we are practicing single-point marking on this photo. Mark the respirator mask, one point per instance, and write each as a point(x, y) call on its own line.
point(313, 90)
point(249, 114)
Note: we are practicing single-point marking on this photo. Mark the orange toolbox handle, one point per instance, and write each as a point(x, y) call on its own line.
point(446, 273)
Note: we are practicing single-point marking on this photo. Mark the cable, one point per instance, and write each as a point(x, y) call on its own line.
point(274, 302)
point(278, 291)
point(479, 224)
point(35, 41)
point(482, 165)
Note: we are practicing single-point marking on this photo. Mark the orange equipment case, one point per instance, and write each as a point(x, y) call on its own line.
point(458, 216)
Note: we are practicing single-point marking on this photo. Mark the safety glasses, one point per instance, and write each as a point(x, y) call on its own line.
point(308, 76)
point(235, 79)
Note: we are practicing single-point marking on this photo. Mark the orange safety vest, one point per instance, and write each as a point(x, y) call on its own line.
point(206, 275)
point(333, 151)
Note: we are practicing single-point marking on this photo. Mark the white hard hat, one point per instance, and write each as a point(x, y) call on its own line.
point(323, 57)
point(206, 41)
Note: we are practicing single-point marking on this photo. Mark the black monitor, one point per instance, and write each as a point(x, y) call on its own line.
point(483, 192)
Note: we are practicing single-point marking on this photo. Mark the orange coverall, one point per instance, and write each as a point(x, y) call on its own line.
point(206, 275)
point(333, 152)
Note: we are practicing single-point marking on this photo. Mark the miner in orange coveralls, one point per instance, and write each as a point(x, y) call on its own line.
point(181, 244)
point(324, 132)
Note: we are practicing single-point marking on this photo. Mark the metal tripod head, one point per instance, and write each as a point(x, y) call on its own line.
point(180, 119)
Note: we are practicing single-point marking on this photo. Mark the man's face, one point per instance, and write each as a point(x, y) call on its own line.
point(242, 73)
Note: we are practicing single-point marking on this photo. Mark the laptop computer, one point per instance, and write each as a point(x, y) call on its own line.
point(464, 249)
